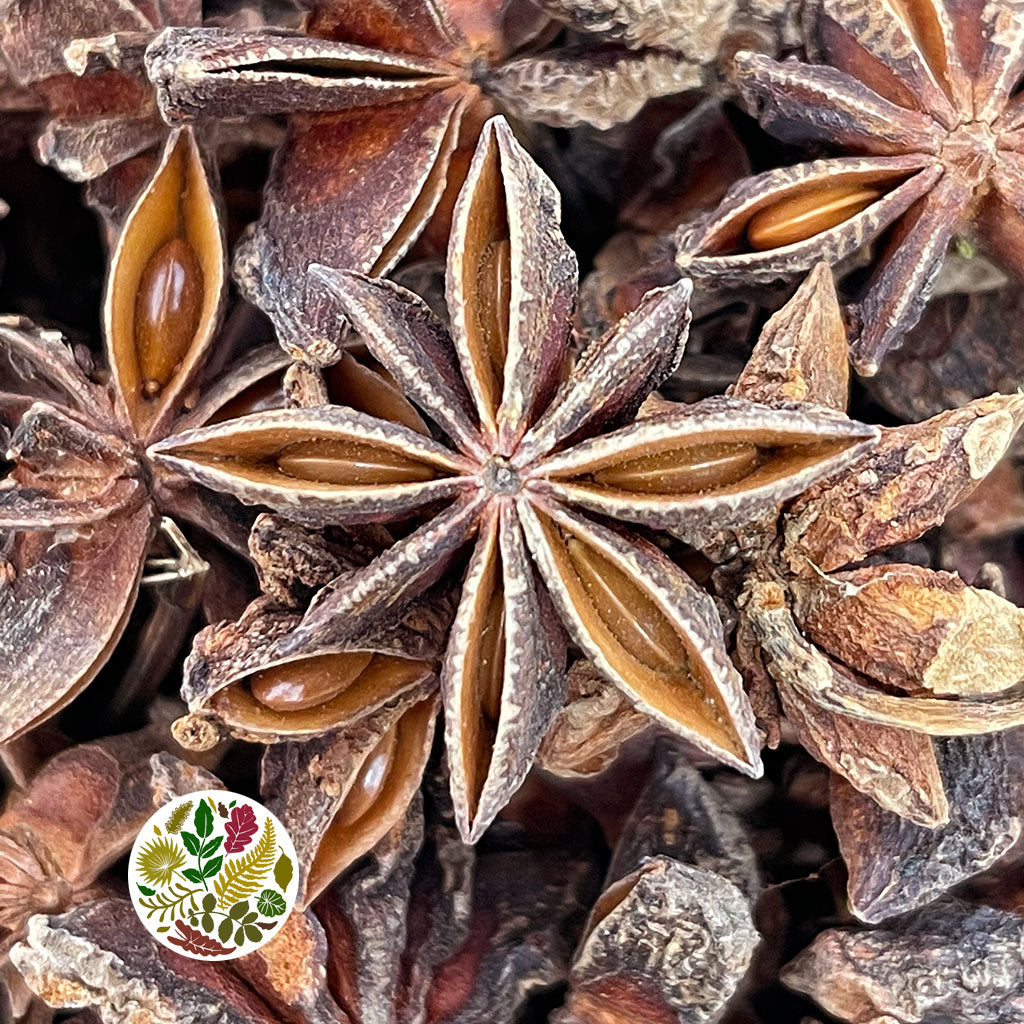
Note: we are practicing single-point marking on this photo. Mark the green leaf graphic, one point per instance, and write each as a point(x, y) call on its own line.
point(191, 842)
point(207, 923)
point(239, 910)
point(251, 933)
point(164, 928)
point(224, 931)
point(283, 871)
point(211, 867)
point(271, 903)
point(145, 891)
point(244, 876)
point(209, 901)
point(239, 937)
point(192, 875)
point(203, 820)
point(211, 847)
point(177, 817)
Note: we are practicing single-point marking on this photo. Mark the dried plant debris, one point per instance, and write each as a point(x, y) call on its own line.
point(896, 865)
point(946, 962)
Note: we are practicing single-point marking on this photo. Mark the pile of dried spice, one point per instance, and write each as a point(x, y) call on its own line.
point(558, 455)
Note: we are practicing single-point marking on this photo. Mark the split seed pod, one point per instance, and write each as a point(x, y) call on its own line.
point(339, 795)
point(165, 285)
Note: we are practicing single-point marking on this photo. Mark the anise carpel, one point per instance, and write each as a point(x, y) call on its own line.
point(533, 481)
point(920, 100)
point(387, 101)
point(870, 659)
point(82, 504)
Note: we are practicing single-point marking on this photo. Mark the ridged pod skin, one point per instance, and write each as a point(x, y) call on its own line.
point(533, 447)
point(917, 99)
point(886, 673)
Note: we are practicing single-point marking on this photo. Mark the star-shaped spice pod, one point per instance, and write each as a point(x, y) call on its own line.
point(81, 503)
point(536, 479)
point(920, 100)
point(870, 659)
point(387, 101)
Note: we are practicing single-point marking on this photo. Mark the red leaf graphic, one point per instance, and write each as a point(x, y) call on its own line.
point(240, 828)
point(192, 940)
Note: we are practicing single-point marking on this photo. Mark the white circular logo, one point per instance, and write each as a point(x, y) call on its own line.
point(213, 875)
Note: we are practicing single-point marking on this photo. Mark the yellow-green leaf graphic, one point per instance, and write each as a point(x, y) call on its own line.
point(177, 817)
point(242, 876)
point(159, 859)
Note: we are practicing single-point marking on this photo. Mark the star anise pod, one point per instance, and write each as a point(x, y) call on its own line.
point(920, 100)
point(871, 659)
point(388, 100)
point(532, 479)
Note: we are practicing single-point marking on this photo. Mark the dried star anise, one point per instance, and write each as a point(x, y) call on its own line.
point(388, 100)
point(533, 456)
point(871, 662)
point(920, 98)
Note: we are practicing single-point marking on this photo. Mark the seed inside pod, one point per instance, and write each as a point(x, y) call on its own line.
point(369, 782)
point(351, 383)
point(350, 463)
point(297, 685)
point(638, 623)
point(167, 310)
point(807, 213)
point(683, 470)
point(491, 658)
point(493, 295)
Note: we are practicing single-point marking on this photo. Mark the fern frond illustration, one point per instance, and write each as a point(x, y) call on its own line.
point(159, 859)
point(171, 901)
point(178, 817)
point(243, 876)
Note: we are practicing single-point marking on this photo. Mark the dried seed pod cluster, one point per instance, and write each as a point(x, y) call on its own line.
point(579, 632)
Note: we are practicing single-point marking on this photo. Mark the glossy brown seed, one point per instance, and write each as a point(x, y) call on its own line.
point(491, 655)
point(494, 294)
point(350, 463)
point(638, 624)
point(370, 781)
point(807, 213)
point(351, 383)
point(683, 470)
point(167, 310)
point(298, 685)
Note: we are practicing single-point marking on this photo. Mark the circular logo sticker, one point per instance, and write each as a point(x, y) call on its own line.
point(212, 875)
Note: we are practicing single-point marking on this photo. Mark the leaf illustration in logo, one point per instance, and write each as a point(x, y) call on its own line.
point(239, 910)
point(145, 891)
point(177, 899)
point(194, 941)
point(211, 847)
point(159, 859)
point(203, 820)
point(271, 903)
point(177, 817)
point(192, 875)
point(192, 843)
point(211, 867)
point(240, 829)
point(222, 810)
point(243, 876)
point(283, 871)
